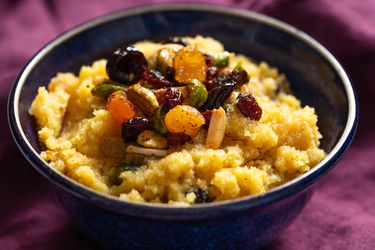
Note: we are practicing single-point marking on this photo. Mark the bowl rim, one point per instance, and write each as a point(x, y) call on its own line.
point(196, 211)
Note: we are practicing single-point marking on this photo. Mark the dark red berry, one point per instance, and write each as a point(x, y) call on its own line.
point(248, 106)
point(133, 127)
point(207, 117)
point(209, 60)
point(155, 78)
point(240, 76)
point(177, 138)
point(177, 40)
point(126, 65)
point(172, 97)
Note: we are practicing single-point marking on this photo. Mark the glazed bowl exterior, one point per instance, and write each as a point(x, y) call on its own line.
point(249, 222)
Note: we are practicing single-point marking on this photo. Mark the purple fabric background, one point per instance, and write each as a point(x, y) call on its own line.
point(341, 215)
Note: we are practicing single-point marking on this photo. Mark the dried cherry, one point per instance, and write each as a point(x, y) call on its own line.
point(177, 138)
point(126, 65)
point(155, 78)
point(172, 97)
point(133, 127)
point(248, 106)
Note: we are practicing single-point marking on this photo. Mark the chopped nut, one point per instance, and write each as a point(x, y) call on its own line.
point(216, 130)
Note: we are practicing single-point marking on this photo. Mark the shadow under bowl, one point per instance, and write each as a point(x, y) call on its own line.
point(316, 78)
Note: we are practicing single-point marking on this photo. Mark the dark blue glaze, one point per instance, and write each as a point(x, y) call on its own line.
point(316, 78)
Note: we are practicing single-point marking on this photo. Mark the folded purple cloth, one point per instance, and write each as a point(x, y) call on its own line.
point(341, 214)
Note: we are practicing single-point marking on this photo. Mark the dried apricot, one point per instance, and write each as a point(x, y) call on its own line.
point(120, 107)
point(184, 119)
point(189, 65)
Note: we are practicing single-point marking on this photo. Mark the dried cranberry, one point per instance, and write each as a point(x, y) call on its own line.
point(177, 40)
point(248, 106)
point(207, 117)
point(172, 97)
point(126, 65)
point(155, 78)
point(133, 127)
point(177, 138)
point(209, 60)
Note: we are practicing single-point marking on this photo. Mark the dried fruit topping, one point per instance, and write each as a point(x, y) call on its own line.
point(240, 76)
point(126, 65)
point(212, 72)
point(177, 138)
point(143, 98)
point(133, 127)
point(184, 119)
point(197, 93)
point(201, 196)
point(221, 87)
point(207, 117)
point(176, 39)
point(155, 78)
point(120, 107)
point(172, 97)
point(248, 106)
point(209, 60)
point(106, 88)
point(220, 90)
point(189, 65)
point(221, 60)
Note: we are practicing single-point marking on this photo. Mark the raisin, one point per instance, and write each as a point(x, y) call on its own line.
point(126, 65)
point(177, 40)
point(155, 78)
point(207, 117)
point(240, 76)
point(248, 106)
point(202, 196)
point(220, 88)
point(131, 128)
point(172, 97)
point(177, 138)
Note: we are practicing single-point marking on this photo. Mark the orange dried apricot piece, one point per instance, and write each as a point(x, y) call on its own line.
point(184, 119)
point(120, 107)
point(189, 65)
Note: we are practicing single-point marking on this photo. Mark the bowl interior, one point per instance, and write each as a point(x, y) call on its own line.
point(313, 80)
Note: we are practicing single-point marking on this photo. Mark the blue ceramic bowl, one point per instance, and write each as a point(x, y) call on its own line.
point(250, 222)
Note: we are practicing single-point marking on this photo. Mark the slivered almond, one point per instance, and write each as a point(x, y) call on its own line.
point(146, 151)
point(216, 130)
